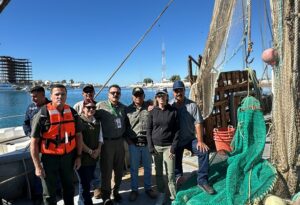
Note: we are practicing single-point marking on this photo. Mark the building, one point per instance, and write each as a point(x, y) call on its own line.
point(15, 71)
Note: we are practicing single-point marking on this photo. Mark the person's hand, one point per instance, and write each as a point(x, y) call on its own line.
point(129, 141)
point(40, 172)
point(202, 147)
point(95, 154)
point(171, 155)
point(77, 163)
point(154, 152)
point(150, 107)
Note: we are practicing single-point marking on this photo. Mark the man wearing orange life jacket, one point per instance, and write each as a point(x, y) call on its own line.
point(56, 134)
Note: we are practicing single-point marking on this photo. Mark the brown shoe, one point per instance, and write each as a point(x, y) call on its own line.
point(152, 194)
point(133, 195)
point(207, 188)
point(97, 193)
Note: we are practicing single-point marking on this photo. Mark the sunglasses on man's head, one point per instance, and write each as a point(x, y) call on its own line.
point(115, 93)
point(91, 107)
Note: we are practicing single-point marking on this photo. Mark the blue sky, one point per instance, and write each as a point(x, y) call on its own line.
point(68, 39)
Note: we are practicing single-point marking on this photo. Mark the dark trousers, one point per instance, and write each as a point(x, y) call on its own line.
point(112, 159)
point(37, 186)
point(58, 166)
point(203, 161)
point(86, 174)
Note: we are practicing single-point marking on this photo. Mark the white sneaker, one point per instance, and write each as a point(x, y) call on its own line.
point(160, 199)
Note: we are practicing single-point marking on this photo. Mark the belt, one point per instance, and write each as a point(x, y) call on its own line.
point(105, 138)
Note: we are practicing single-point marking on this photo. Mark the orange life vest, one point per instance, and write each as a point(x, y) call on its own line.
point(60, 137)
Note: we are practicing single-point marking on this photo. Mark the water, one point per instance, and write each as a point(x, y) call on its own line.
point(13, 104)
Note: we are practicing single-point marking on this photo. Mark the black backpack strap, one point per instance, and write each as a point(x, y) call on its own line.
point(45, 119)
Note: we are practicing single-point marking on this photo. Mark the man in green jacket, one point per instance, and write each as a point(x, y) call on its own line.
point(113, 119)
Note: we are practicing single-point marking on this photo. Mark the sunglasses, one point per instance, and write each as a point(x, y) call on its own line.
point(91, 107)
point(115, 93)
point(160, 95)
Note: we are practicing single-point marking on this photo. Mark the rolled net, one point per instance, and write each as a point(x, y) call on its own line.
point(244, 178)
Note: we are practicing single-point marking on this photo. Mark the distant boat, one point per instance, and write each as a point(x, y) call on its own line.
point(26, 88)
point(7, 86)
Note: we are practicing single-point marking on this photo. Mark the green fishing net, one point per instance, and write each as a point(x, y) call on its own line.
point(244, 178)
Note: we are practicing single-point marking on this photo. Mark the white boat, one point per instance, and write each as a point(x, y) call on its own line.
point(4, 86)
point(16, 167)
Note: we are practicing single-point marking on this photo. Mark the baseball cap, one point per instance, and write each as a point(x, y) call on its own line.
point(161, 90)
point(88, 88)
point(137, 90)
point(178, 84)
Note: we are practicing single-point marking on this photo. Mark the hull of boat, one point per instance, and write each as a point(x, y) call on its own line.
point(16, 167)
point(16, 174)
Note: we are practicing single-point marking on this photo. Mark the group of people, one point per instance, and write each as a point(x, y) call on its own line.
point(89, 139)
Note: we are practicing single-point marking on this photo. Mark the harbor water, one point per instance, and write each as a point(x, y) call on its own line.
point(13, 104)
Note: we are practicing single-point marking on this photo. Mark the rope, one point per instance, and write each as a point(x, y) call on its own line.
point(292, 133)
point(250, 43)
point(249, 187)
point(27, 178)
point(135, 46)
point(14, 177)
point(268, 19)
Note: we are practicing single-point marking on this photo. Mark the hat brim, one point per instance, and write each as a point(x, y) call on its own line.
point(161, 93)
point(178, 88)
point(138, 92)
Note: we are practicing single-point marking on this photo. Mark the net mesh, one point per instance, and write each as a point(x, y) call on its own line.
point(225, 40)
point(245, 177)
point(285, 133)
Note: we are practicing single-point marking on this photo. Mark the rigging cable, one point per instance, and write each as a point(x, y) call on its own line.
point(135, 46)
point(244, 32)
point(263, 47)
point(268, 20)
point(250, 43)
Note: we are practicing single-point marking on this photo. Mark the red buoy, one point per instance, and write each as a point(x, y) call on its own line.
point(270, 56)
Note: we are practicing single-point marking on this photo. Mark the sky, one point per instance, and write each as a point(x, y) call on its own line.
point(68, 39)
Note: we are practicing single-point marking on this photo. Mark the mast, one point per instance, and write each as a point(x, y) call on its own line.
point(163, 63)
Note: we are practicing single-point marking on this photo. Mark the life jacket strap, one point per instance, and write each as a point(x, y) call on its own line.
point(57, 141)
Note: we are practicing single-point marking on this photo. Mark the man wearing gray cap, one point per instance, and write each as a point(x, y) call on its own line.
point(137, 113)
point(190, 136)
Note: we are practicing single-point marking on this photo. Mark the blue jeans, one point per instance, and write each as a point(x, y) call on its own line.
point(85, 177)
point(203, 161)
point(136, 155)
point(96, 181)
